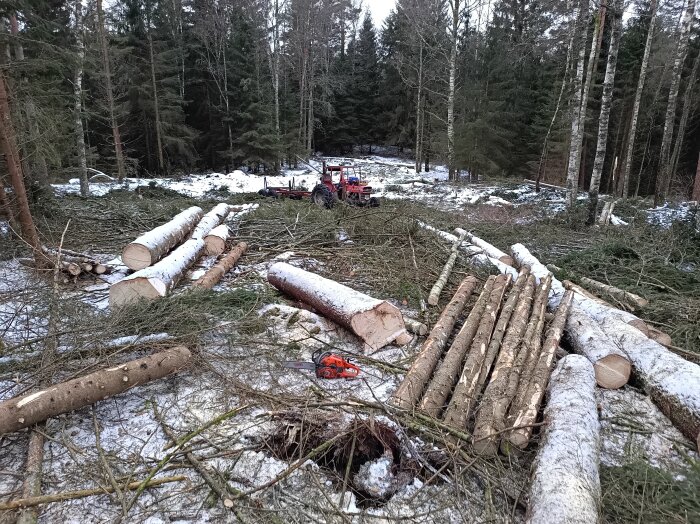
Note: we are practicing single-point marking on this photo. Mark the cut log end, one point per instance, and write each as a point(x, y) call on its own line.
point(612, 371)
point(214, 245)
point(507, 260)
point(380, 326)
point(130, 291)
point(486, 447)
point(136, 256)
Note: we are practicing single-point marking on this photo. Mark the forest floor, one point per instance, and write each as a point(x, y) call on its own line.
point(378, 468)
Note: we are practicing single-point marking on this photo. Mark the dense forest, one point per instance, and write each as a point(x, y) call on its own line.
point(602, 96)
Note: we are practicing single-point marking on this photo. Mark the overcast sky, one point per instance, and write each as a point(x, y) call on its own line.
point(380, 10)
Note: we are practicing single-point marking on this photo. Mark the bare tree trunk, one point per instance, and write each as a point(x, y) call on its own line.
point(78, 101)
point(454, 41)
point(156, 109)
point(118, 151)
point(696, 186)
point(627, 164)
point(663, 180)
point(604, 119)
point(419, 112)
point(688, 102)
point(577, 118)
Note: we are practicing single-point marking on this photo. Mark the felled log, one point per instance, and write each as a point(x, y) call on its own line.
point(565, 486)
point(26, 410)
point(209, 221)
point(670, 380)
point(522, 256)
point(542, 184)
point(617, 293)
point(154, 245)
point(532, 342)
point(157, 280)
point(215, 241)
point(490, 419)
point(376, 322)
point(490, 250)
point(411, 388)
point(528, 405)
point(612, 366)
point(414, 326)
point(446, 374)
point(223, 266)
point(434, 296)
point(568, 284)
point(459, 408)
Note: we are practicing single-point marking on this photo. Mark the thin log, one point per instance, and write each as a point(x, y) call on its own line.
point(568, 284)
point(490, 418)
point(525, 415)
point(377, 322)
point(434, 296)
point(410, 390)
point(491, 250)
point(460, 406)
point(446, 374)
point(223, 266)
point(612, 366)
point(566, 485)
point(414, 326)
point(215, 241)
point(617, 293)
point(154, 245)
point(82, 493)
point(24, 411)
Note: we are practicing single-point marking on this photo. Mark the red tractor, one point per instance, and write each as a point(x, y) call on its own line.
point(348, 188)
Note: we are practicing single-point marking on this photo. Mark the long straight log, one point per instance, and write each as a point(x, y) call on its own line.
point(670, 380)
point(223, 266)
point(568, 284)
point(532, 342)
point(24, 411)
point(434, 296)
point(462, 401)
point(215, 241)
point(525, 414)
point(566, 485)
point(376, 322)
point(612, 366)
point(154, 245)
point(446, 374)
point(411, 388)
point(490, 250)
point(490, 418)
point(617, 293)
point(209, 221)
point(157, 280)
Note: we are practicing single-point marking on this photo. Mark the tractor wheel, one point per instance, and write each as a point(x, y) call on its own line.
point(321, 196)
point(373, 202)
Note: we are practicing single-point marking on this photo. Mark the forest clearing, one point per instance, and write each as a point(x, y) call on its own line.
point(293, 261)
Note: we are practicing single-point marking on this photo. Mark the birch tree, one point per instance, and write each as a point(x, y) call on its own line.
point(663, 180)
point(603, 121)
point(454, 42)
point(78, 99)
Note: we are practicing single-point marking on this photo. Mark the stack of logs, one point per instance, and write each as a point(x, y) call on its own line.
point(71, 264)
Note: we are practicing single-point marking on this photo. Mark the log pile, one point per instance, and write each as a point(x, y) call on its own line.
point(71, 264)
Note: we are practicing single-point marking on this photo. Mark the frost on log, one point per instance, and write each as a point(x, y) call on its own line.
point(376, 322)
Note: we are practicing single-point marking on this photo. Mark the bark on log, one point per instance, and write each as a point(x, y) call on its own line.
point(568, 284)
point(223, 266)
point(566, 485)
point(27, 410)
point(434, 296)
point(491, 250)
point(522, 256)
point(490, 419)
point(157, 280)
point(414, 326)
point(212, 219)
point(617, 293)
point(376, 322)
point(215, 241)
point(411, 388)
point(154, 245)
point(446, 374)
point(462, 401)
point(526, 413)
point(612, 366)
point(670, 380)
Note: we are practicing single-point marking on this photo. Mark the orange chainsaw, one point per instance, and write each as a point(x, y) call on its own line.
point(327, 365)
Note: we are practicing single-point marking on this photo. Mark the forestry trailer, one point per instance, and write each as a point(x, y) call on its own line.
point(348, 188)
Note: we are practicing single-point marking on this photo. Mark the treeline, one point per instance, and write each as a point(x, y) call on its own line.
point(504, 88)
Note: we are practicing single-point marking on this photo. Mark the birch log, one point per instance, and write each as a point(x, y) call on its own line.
point(21, 412)
point(565, 486)
point(490, 419)
point(611, 365)
point(411, 388)
point(223, 266)
point(671, 381)
point(215, 241)
point(617, 293)
point(212, 219)
point(443, 380)
point(462, 401)
point(414, 326)
point(434, 296)
point(490, 250)
point(525, 414)
point(376, 322)
point(154, 245)
point(158, 280)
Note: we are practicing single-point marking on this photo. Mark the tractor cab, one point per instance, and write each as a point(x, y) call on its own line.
point(342, 183)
